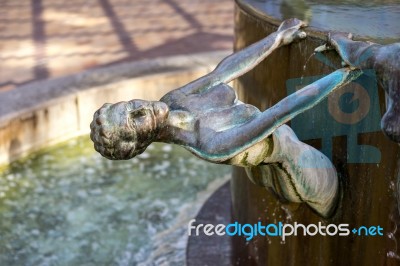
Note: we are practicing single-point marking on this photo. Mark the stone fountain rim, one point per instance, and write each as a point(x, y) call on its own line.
point(312, 32)
point(249, 9)
point(26, 105)
point(28, 97)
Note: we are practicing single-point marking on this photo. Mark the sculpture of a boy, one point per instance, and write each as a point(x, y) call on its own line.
point(206, 118)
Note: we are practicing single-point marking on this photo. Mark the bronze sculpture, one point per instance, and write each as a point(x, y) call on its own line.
point(206, 118)
point(385, 61)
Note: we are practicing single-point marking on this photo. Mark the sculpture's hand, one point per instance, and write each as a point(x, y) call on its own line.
point(289, 30)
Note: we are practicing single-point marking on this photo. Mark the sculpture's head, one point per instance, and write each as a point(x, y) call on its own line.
point(123, 130)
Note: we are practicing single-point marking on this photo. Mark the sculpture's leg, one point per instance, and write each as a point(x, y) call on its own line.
point(353, 53)
point(390, 122)
point(385, 60)
point(297, 172)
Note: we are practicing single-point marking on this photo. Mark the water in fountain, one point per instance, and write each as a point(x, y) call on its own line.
point(380, 16)
point(69, 206)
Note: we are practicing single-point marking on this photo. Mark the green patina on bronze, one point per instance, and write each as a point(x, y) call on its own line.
point(206, 118)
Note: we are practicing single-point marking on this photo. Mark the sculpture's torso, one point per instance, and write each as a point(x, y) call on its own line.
point(203, 114)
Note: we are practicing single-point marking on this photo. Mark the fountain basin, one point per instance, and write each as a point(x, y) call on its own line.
point(367, 162)
point(66, 204)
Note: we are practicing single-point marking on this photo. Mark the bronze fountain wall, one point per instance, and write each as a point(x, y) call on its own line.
point(368, 174)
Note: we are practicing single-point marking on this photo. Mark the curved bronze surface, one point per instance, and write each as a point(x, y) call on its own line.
point(367, 162)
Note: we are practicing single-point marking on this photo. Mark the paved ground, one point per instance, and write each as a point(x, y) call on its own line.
point(40, 39)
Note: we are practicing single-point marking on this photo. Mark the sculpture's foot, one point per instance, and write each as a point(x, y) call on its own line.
point(390, 122)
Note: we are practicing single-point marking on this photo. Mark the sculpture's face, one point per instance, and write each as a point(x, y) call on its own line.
point(125, 129)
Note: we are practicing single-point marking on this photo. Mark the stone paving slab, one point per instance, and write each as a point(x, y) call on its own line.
point(41, 39)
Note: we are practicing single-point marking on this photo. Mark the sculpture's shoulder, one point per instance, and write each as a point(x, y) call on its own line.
point(173, 99)
point(218, 96)
point(214, 98)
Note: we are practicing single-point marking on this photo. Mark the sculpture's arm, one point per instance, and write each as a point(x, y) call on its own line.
point(221, 146)
point(241, 62)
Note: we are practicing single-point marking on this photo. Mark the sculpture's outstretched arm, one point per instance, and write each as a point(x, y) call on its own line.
point(243, 61)
point(385, 60)
point(221, 146)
